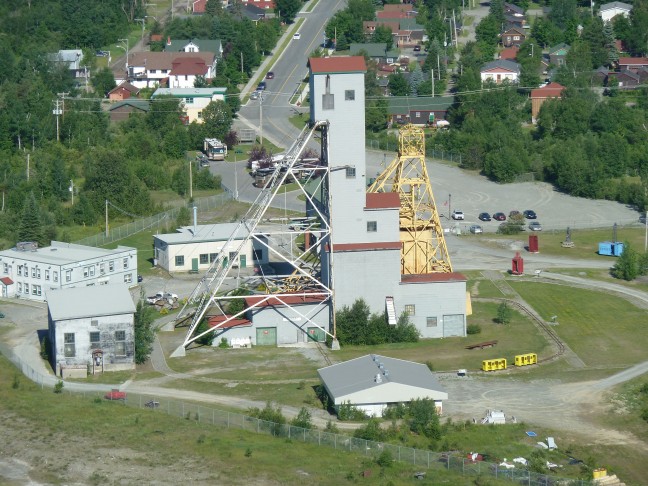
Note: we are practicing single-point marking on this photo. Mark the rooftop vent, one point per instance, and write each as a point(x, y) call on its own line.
point(385, 373)
point(381, 366)
point(378, 378)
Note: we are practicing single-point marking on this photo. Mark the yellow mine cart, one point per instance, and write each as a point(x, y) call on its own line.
point(494, 364)
point(526, 359)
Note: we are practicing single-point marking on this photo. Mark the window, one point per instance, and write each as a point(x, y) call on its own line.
point(257, 255)
point(47, 274)
point(410, 309)
point(372, 226)
point(328, 102)
point(95, 339)
point(213, 257)
point(55, 276)
point(350, 172)
point(68, 345)
point(26, 271)
point(204, 258)
point(120, 343)
point(26, 288)
point(6, 268)
point(189, 100)
point(349, 94)
point(431, 322)
point(516, 37)
point(102, 268)
point(179, 260)
point(20, 270)
point(68, 275)
point(199, 115)
point(111, 266)
point(19, 287)
point(36, 290)
point(125, 263)
point(418, 114)
point(128, 278)
point(86, 271)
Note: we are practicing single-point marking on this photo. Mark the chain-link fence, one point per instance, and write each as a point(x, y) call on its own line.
point(158, 222)
point(232, 420)
point(435, 152)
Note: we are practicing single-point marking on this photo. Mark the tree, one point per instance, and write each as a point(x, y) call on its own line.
point(383, 34)
point(144, 334)
point(423, 418)
point(288, 9)
point(103, 81)
point(398, 85)
point(562, 12)
point(376, 114)
point(504, 313)
point(30, 228)
point(217, 118)
point(627, 265)
point(415, 80)
point(303, 419)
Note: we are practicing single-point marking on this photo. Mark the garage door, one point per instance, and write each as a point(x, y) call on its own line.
point(266, 336)
point(453, 325)
point(316, 334)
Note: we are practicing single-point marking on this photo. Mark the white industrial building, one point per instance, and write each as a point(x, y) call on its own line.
point(29, 272)
point(194, 248)
point(91, 329)
point(372, 383)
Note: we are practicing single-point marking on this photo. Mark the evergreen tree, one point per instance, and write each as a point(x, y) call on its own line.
point(30, 227)
point(144, 334)
point(610, 42)
point(416, 78)
point(627, 265)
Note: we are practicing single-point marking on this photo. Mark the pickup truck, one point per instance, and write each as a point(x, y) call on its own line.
point(115, 394)
point(168, 296)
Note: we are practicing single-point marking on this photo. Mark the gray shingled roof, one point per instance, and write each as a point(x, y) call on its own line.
point(400, 105)
point(60, 253)
point(373, 49)
point(611, 5)
point(204, 45)
point(80, 302)
point(204, 233)
point(359, 375)
point(502, 64)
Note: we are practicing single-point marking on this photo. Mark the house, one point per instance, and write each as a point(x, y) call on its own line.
point(540, 95)
point(558, 54)
point(122, 110)
point(369, 26)
point(193, 100)
point(194, 248)
point(123, 92)
point(372, 383)
point(421, 111)
point(628, 79)
point(500, 71)
point(510, 53)
point(199, 7)
point(148, 69)
point(632, 63)
point(514, 36)
point(34, 272)
point(514, 10)
point(610, 10)
point(513, 22)
point(602, 74)
point(91, 329)
point(377, 51)
point(194, 45)
point(71, 59)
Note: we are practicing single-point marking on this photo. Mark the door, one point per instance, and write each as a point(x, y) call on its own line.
point(242, 261)
point(194, 265)
point(225, 262)
point(266, 336)
point(453, 325)
point(316, 334)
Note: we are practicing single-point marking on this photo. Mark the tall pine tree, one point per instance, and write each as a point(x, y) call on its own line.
point(30, 228)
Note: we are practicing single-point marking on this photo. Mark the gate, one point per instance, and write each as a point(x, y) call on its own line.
point(266, 336)
point(453, 325)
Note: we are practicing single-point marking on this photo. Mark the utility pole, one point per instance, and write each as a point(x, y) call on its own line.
point(106, 217)
point(125, 41)
point(645, 239)
point(432, 77)
point(143, 21)
point(241, 61)
point(261, 118)
point(190, 180)
point(235, 179)
point(27, 166)
point(72, 190)
point(57, 112)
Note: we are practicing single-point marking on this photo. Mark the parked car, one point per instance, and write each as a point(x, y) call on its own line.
point(417, 48)
point(530, 214)
point(269, 75)
point(514, 213)
point(168, 296)
point(484, 217)
point(457, 214)
point(115, 394)
point(535, 226)
point(140, 279)
point(475, 229)
point(499, 217)
point(261, 86)
point(254, 95)
point(296, 36)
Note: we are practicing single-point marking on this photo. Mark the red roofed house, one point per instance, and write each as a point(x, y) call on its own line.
point(632, 63)
point(198, 7)
point(369, 26)
point(510, 53)
point(122, 92)
point(184, 72)
point(540, 95)
point(148, 69)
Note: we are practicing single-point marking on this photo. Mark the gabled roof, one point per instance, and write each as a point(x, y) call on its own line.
point(125, 85)
point(410, 24)
point(513, 8)
point(633, 61)
point(402, 105)
point(80, 302)
point(164, 60)
point(629, 74)
point(142, 105)
point(190, 66)
point(337, 64)
point(552, 90)
point(380, 379)
point(617, 5)
point(501, 64)
point(394, 26)
point(559, 47)
point(71, 57)
point(511, 30)
point(189, 92)
point(373, 49)
point(204, 45)
point(510, 53)
point(204, 233)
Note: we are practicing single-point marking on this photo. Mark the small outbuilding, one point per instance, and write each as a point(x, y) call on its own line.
point(91, 329)
point(372, 383)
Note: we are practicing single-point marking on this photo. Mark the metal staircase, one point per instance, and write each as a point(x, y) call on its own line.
point(391, 311)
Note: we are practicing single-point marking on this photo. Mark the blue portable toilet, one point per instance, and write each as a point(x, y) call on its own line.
point(617, 248)
point(605, 248)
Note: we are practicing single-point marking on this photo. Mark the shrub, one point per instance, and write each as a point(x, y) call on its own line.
point(16, 381)
point(44, 348)
point(504, 313)
point(385, 459)
point(473, 329)
point(223, 344)
point(430, 365)
point(348, 412)
point(58, 388)
point(303, 419)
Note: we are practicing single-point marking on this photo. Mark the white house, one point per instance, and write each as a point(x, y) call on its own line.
point(175, 69)
point(91, 329)
point(194, 248)
point(500, 71)
point(610, 10)
point(193, 100)
point(31, 273)
point(371, 383)
point(71, 59)
point(194, 45)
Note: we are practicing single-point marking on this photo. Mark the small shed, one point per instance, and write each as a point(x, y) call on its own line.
point(122, 110)
point(371, 383)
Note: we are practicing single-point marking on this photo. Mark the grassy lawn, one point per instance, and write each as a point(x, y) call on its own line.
point(600, 328)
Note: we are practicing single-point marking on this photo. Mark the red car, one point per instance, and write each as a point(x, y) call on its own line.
point(115, 395)
point(499, 217)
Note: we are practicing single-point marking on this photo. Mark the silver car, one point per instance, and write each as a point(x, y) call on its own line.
point(475, 229)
